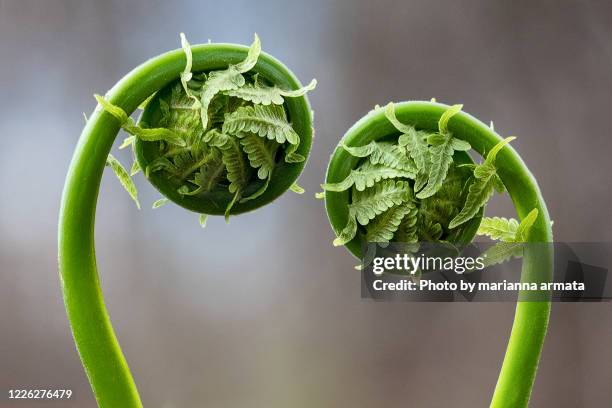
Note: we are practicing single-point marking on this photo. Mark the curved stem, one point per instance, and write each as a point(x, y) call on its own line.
point(93, 334)
point(520, 364)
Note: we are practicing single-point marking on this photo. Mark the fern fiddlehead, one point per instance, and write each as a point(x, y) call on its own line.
point(401, 174)
point(225, 129)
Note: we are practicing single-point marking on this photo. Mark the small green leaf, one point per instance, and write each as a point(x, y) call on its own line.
point(387, 154)
point(407, 230)
point(348, 233)
point(128, 141)
point(144, 103)
point(202, 219)
point(266, 95)
point(186, 75)
point(441, 159)
point(260, 152)
point(366, 176)
point(230, 205)
point(320, 195)
point(417, 149)
point(390, 114)
point(492, 155)
point(252, 56)
point(159, 203)
point(437, 139)
point(369, 203)
point(257, 193)
point(265, 121)
point(116, 111)
point(499, 228)
point(486, 181)
point(446, 117)
point(130, 127)
point(502, 252)
point(154, 135)
point(429, 231)
point(124, 178)
point(296, 188)
point(522, 232)
point(236, 164)
point(135, 168)
point(383, 227)
point(460, 145)
point(226, 80)
point(479, 193)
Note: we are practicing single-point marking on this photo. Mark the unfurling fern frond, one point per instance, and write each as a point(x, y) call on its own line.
point(366, 176)
point(266, 95)
point(387, 154)
point(383, 227)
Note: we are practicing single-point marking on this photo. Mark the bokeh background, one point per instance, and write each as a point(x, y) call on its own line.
point(264, 312)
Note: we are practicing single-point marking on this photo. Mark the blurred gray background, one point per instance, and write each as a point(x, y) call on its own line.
point(264, 312)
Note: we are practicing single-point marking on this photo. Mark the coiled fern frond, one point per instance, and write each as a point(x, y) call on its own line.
point(184, 147)
point(421, 148)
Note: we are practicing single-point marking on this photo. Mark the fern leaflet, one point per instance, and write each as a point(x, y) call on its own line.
point(265, 121)
point(383, 227)
point(226, 80)
point(387, 154)
point(366, 176)
point(407, 231)
point(261, 153)
point(267, 95)
point(124, 178)
point(485, 182)
point(369, 203)
point(127, 124)
point(499, 228)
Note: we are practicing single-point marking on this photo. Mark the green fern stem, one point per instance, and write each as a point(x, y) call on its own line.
point(520, 364)
point(99, 350)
